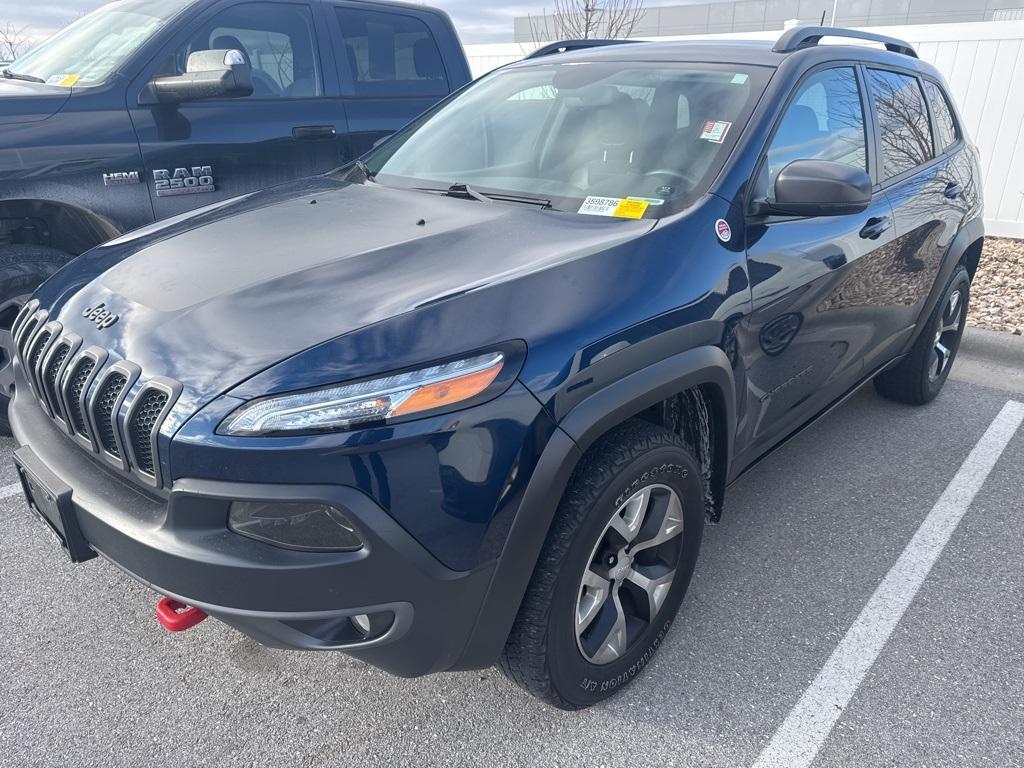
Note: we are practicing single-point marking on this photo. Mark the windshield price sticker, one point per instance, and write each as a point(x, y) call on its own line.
point(628, 208)
point(715, 131)
point(64, 80)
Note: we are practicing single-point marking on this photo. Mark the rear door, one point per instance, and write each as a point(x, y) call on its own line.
point(927, 195)
point(290, 127)
point(390, 66)
point(816, 282)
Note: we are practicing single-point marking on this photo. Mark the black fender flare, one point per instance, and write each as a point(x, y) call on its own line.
point(577, 431)
point(970, 233)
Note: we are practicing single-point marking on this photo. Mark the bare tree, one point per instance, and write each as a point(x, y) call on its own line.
point(585, 19)
point(14, 41)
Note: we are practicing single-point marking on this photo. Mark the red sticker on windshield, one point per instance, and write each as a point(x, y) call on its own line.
point(724, 230)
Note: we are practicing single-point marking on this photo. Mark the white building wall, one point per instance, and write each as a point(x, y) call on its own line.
point(984, 65)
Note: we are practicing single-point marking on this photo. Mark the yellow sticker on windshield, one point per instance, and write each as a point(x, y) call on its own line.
point(631, 209)
point(70, 80)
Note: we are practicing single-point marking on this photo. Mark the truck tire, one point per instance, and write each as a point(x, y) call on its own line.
point(920, 375)
point(22, 269)
point(613, 571)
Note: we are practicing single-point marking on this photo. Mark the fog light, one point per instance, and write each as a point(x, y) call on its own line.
point(295, 525)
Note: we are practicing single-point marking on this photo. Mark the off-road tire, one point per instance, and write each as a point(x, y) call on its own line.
point(22, 269)
point(542, 654)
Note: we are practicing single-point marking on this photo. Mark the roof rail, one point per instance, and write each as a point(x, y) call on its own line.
point(806, 37)
point(564, 46)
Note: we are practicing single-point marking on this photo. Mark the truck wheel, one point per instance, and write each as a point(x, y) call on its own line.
point(22, 269)
point(921, 374)
point(613, 571)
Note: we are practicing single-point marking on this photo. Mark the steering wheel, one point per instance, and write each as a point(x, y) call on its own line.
point(672, 173)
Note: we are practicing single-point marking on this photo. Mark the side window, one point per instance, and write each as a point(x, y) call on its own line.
point(824, 122)
point(276, 38)
point(391, 54)
point(903, 119)
point(945, 124)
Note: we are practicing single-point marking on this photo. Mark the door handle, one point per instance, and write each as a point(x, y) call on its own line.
point(953, 190)
point(874, 227)
point(314, 132)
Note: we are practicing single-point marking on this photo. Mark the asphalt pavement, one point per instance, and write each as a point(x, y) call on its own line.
point(87, 676)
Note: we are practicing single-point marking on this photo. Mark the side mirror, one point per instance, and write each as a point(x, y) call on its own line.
point(216, 74)
point(818, 188)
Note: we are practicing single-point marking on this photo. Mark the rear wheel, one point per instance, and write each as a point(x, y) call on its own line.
point(614, 569)
point(920, 375)
point(22, 269)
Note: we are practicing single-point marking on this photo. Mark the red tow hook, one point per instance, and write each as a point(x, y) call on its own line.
point(177, 617)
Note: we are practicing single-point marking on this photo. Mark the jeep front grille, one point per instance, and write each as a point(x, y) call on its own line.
point(149, 406)
point(103, 411)
point(74, 388)
point(92, 400)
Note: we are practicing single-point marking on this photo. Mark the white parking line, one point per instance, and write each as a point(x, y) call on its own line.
point(797, 741)
point(10, 490)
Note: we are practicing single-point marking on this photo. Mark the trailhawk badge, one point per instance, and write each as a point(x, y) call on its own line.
point(183, 181)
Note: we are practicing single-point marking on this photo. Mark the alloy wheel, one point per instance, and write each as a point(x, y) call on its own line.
point(947, 336)
point(630, 573)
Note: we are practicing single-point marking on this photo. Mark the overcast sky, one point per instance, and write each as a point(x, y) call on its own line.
point(478, 21)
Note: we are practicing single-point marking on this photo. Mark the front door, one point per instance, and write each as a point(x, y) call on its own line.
point(814, 280)
point(291, 126)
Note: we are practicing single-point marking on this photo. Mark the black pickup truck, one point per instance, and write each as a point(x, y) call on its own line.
point(147, 109)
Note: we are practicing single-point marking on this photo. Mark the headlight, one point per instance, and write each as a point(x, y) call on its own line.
point(377, 400)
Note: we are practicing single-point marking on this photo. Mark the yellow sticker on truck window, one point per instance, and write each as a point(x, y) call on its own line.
point(628, 208)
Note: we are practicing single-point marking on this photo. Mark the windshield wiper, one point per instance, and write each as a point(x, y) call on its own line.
point(18, 76)
point(467, 192)
point(364, 169)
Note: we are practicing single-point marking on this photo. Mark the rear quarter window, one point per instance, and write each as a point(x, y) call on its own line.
point(947, 133)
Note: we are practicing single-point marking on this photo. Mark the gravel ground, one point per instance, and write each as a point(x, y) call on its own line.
point(997, 295)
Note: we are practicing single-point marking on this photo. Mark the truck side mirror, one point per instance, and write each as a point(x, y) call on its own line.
point(216, 74)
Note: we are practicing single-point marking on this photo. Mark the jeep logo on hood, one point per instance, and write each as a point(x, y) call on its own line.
point(100, 315)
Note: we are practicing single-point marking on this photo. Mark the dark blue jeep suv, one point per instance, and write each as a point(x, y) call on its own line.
point(470, 399)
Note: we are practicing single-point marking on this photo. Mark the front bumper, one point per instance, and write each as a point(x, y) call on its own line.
point(178, 544)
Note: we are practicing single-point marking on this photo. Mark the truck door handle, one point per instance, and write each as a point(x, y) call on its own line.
point(952, 190)
point(874, 227)
point(314, 132)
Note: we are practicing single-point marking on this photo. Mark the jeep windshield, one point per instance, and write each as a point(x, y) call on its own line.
point(628, 139)
point(88, 51)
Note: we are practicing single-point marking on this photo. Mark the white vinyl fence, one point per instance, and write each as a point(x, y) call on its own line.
point(984, 65)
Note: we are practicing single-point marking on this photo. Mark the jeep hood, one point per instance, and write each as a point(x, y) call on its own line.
point(25, 102)
point(213, 299)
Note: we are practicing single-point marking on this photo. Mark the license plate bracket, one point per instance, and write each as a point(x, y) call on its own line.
point(49, 499)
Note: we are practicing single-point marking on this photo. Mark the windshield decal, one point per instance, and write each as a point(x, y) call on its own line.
point(623, 208)
point(715, 131)
point(65, 80)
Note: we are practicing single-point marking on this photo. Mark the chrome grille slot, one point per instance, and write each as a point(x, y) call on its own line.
point(143, 423)
point(38, 347)
point(105, 412)
point(74, 389)
point(53, 365)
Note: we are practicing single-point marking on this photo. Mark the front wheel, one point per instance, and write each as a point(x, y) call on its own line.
point(22, 269)
point(614, 569)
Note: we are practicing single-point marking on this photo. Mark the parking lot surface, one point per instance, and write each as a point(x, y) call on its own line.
point(87, 676)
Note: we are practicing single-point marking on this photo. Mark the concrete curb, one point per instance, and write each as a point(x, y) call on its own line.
point(991, 359)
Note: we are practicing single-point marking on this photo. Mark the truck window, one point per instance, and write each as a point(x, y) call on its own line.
point(391, 54)
point(276, 38)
